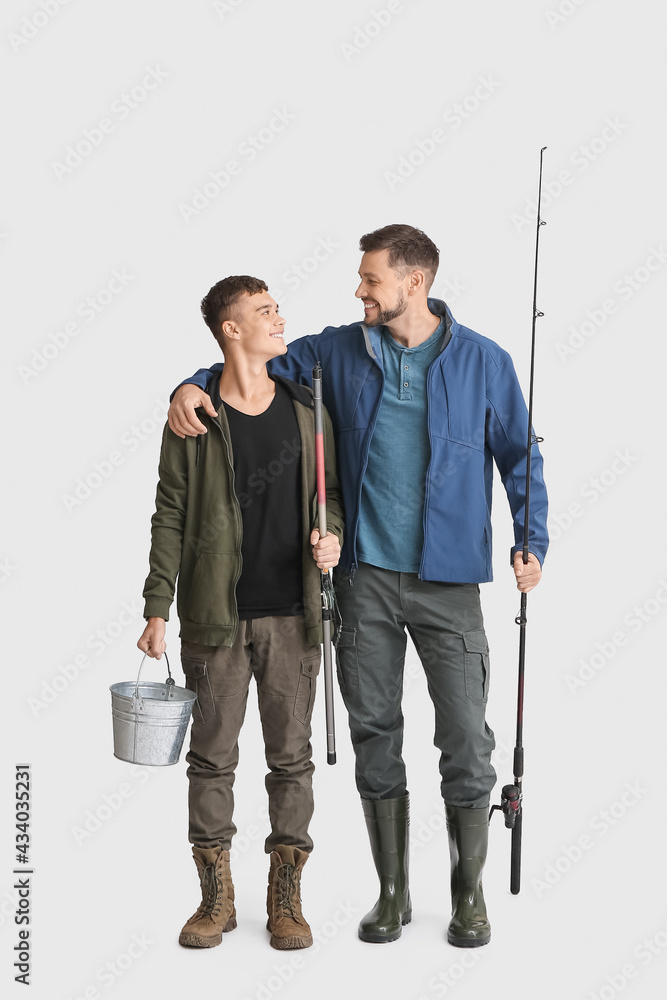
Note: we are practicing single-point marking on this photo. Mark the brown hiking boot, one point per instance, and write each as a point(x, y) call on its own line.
point(283, 902)
point(216, 912)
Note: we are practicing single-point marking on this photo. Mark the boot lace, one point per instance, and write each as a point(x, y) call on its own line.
point(288, 890)
point(212, 891)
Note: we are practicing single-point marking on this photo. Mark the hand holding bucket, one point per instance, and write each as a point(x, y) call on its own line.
point(150, 719)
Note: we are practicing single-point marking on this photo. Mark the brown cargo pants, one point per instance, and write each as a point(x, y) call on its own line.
point(285, 665)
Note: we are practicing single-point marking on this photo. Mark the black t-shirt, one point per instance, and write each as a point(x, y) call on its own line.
point(266, 451)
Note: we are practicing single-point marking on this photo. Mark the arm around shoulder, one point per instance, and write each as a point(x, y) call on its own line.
point(185, 399)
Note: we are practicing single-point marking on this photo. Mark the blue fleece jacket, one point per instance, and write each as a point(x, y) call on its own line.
point(476, 415)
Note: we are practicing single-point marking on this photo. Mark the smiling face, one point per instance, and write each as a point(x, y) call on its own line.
point(256, 326)
point(382, 290)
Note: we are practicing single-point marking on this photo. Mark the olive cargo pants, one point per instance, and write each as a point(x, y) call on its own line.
point(285, 665)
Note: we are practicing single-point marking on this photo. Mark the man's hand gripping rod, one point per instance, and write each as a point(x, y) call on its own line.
point(511, 798)
point(326, 580)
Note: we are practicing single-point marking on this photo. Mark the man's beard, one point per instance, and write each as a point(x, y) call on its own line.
point(385, 316)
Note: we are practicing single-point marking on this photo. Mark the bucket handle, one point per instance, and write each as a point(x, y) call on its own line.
point(170, 682)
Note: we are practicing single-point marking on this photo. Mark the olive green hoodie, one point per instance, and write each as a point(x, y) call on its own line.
point(197, 529)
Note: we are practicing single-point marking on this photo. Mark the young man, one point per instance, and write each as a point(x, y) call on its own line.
point(421, 408)
point(234, 522)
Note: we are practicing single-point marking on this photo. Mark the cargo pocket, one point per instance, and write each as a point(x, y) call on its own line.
point(305, 690)
point(346, 659)
point(476, 666)
point(196, 679)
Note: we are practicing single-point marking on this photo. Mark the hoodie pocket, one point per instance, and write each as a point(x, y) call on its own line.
point(210, 600)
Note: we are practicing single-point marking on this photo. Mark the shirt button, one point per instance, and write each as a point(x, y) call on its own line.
point(405, 385)
point(406, 368)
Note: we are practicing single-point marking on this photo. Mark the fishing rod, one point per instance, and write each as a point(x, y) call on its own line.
point(326, 582)
point(511, 796)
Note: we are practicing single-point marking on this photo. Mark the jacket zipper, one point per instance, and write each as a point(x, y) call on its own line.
point(428, 470)
point(239, 528)
point(429, 379)
point(367, 443)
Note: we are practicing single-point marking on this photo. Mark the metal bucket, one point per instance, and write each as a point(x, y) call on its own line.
point(150, 719)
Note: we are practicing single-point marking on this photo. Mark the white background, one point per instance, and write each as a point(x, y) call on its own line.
point(356, 93)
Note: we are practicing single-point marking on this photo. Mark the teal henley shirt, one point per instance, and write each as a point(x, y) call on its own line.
point(391, 528)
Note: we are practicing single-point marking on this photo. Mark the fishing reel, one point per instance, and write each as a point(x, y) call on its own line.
point(330, 608)
point(510, 803)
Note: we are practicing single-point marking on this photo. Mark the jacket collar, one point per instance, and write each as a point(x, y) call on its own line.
point(373, 335)
point(301, 393)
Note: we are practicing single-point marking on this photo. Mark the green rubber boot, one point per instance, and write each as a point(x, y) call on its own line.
point(388, 824)
point(468, 839)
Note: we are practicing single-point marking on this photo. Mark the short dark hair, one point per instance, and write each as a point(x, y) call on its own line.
point(409, 248)
point(216, 306)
